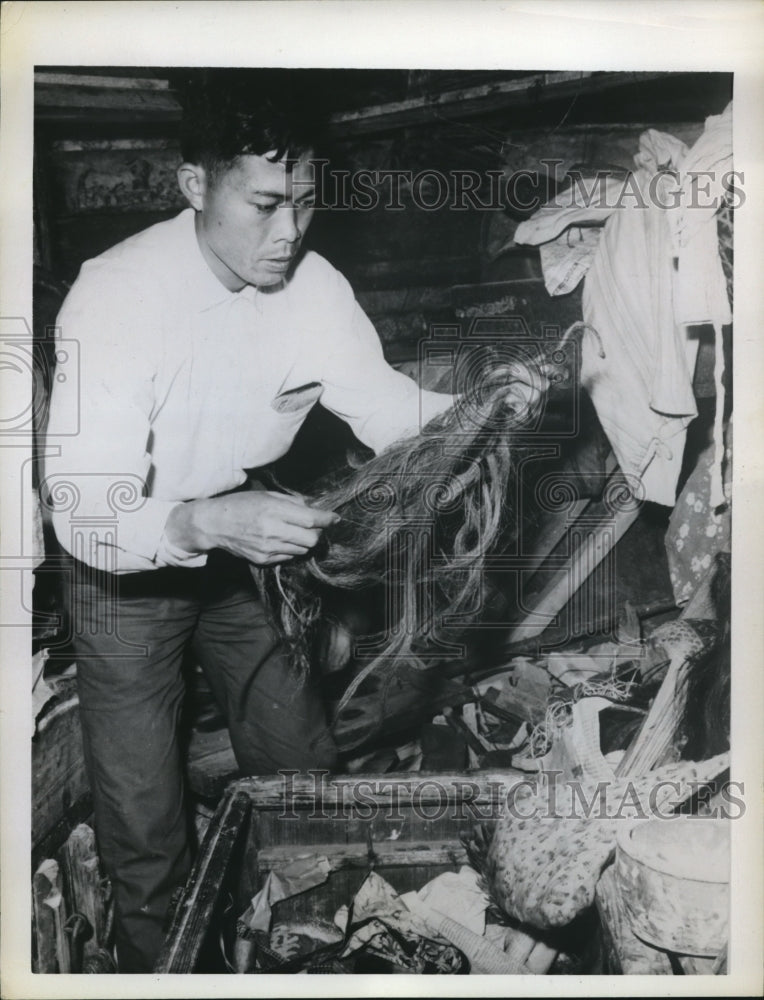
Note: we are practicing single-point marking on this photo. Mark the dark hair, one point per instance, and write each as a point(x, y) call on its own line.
point(232, 112)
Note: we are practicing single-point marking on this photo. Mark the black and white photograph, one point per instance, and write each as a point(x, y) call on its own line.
point(371, 467)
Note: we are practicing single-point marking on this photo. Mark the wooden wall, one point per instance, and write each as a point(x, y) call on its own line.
point(106, 153)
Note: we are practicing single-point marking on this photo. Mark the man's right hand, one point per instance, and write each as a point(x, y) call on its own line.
point(264, 528)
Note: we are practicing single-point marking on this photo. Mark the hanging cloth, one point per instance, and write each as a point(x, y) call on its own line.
point(655, 273)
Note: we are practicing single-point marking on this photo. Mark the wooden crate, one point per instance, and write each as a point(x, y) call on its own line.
point(61, 793)
point(412, 823)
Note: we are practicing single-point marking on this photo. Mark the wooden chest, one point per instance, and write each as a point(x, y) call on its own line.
point(407, 826)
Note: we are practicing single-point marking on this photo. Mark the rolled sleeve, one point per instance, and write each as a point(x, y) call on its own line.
point(124, 541)
point(169, 554)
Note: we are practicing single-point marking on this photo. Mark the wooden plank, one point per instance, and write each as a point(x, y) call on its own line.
point(594, 547)
point(42, 77)
point(80, 811)
point(61, 119)
point(494, 291)
point(557, 523)
point(44, 921)
point(291, 793)
point(475, 746)
point(200, 898)
point(85, 885)
point(386, 854)
point(428, 107)
point(49, 917)
point(79, 97)
point(58, 767)
point(402, 826)
point(469, 101)
point(64, 146)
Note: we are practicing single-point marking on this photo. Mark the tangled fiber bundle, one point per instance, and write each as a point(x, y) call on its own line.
point(419, 518)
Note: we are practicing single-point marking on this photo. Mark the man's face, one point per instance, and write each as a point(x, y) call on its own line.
point(253, 218)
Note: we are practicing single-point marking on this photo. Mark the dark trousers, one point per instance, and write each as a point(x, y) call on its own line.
point(131, 632)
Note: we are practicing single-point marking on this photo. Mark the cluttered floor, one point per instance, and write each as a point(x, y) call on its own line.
point(426, 872)
point(485, 819)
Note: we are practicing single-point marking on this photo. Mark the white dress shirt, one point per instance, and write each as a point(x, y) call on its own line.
point(183, 385)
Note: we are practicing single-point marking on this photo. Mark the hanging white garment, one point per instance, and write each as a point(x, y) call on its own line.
point(700, 290)
point(655, 271)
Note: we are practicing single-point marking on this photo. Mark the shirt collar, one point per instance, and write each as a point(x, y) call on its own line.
point(204, 289)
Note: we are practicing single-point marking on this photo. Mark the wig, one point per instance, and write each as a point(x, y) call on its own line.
point(420, 519)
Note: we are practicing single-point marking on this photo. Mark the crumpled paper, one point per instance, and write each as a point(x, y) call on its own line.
point(457, 895)
point(303, 873)
point(376, 898)
point(381, 923)
point(378, 910)
point(450, 909)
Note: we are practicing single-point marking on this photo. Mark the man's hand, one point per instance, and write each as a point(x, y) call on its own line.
point(264, 528)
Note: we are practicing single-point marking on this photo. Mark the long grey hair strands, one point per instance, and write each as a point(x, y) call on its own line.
point(420, 518)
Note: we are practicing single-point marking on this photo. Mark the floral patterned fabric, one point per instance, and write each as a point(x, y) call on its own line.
point(547, 853)
point(696, 530)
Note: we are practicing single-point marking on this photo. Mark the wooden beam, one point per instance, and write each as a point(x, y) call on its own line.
point(50, 912)
point(386, 854)
point(61, 787)
point(113, 82)
point(291, 794)
point(535, 88)
point(594, 545)
point(83, 879)
point(79, 98)
point(557, 523)
point(112, 145)
point(43, 887)
point(201, 896)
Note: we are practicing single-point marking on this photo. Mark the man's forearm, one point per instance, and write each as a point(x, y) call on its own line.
point(185, 527)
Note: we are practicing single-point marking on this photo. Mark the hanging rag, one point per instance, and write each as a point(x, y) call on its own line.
point(655, 272)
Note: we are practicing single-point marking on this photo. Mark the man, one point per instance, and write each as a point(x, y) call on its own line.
point(204, 341)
